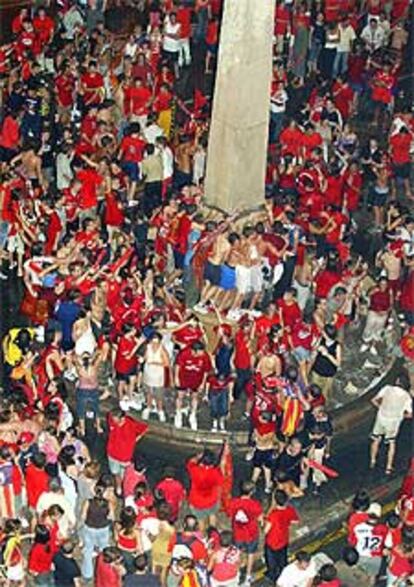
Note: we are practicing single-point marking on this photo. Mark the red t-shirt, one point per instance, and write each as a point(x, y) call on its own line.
point(124, 364)
point(37, 482)
point(280, 520)
point(10, 133)
point(136, 100)
point(242, 355)
point(174, 494)
point(91, 180)
point(192, 368)
point(122, 438)
point(106, 574)
point(184, 18)
point(132, 149)
point(206, 483)
point(40, 558)
point(291, 313)
point(400, 144)
point(244, 513)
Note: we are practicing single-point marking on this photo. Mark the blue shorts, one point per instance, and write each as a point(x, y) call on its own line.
point(227, 277)
point(247, 547)
point(178, 259)
point(301, 354)
point(131, 169)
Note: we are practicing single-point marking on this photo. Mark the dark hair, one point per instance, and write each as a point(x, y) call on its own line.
point(361, 501)
point(226, 538)
point(280, 497)
point(140, 563)
point(42, 534)
point(190, 523)
point(303, 557)
point(350, 556)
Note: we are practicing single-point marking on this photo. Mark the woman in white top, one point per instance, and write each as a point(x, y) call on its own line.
point(171, 40)
point(156, 364)
point(328, 55)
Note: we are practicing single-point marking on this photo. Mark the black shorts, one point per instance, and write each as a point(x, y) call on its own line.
point(379, 199)
point(212, 273)
point(126, 376)
point(402, 171)
point(263, 458)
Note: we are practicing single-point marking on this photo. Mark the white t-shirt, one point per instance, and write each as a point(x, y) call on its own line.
point(346, 37)
point(367, 543)
point(278, 102)
point(293, 576)
point(394, 402)
point(168, 43)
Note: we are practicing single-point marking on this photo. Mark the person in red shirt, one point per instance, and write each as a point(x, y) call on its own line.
point(382, 84)
point(126, 360)
point(380, 303)
point(352, 184)
point(40, 562)
point(131, 152)
point(44, 27)
point(278, 522)
point(206, 482)
point(243, 358)
point(92, 85)
point(192, 367)
point(172, 491)
point(37, 480)
point(400, 145)
point(246, 514)
point(211, 42)
point(184, 19)
point(137, 100)
point(90, 181)
point(123, 434)
point(65, 84)
point(109, 569)
point(289, 309)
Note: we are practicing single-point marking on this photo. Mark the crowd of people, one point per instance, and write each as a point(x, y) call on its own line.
point(138, 297)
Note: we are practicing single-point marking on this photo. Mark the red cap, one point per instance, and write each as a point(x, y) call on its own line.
point(26, 437)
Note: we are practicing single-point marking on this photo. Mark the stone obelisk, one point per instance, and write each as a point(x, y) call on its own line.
point(237, 151)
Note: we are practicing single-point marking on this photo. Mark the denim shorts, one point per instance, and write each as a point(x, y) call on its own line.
point(131, 169)
point(4, 231)
point(247, 547)
point(87, 400)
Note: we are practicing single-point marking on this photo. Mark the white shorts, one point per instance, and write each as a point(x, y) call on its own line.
point(15, 244)
point(15, 573)
point(256, 278)
point(243, 281)
point(388, 429)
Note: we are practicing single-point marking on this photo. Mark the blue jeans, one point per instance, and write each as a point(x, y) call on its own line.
point(276, 125)
point(219, 404)
point(340, 65)
point(94, 540)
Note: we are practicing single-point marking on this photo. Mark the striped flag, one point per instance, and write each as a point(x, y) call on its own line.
point(292, 414)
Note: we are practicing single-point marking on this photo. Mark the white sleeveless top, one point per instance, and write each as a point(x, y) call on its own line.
point(154, 370)
point(86, 343)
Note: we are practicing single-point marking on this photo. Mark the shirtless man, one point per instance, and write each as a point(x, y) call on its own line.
point(212, 272)
point(31, 165)
point(390, 260)
point(183, 162)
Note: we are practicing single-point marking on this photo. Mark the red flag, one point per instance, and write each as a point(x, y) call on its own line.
point(323, 469)
point(292, 413)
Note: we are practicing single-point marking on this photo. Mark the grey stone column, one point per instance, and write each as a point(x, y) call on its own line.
point(237, 151)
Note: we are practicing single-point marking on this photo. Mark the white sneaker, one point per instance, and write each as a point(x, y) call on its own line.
point(268, 489)
point(373, 351)
point(124, 404)
point(214, 426)
point(3, 276)
point(192, 420)
point(222, 426)
point(161, 416)
point(249, 456)
point(364, 347)
point(178, 420)
point(145, 414)
point(248, 581)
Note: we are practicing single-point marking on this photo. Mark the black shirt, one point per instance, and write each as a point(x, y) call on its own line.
point(66, 570)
